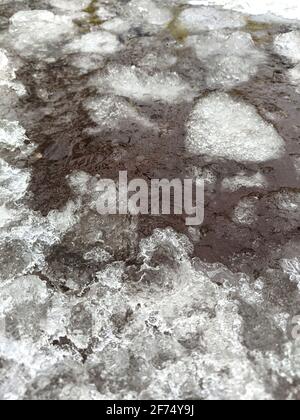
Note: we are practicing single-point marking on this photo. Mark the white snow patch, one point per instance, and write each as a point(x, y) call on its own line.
point(220, 126)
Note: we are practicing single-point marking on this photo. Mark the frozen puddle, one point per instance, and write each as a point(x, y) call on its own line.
point(136, 307)
point(223, 127)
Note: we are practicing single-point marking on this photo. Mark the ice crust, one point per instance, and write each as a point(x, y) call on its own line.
point(220, 126)
point(137, 84)
point(101, 42)
point(34, 32)
point(288, 9)
point(231, 58)
point(198, 19)
point(111, 307)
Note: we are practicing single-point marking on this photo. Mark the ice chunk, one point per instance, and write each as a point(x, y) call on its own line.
point(220, 126)
point(110, 112)
point(22, 291)
point(243, 181)
point(197, 19)
point(117, 25)
point(288, 9)
point(245, 212)
point(34, 31)
point(8, 75)
point(150, 12)
point(288, 45)
point(135, 83)
point(294, 76)
point(13, 182)
point(230, 58)
point(100, 42)
point(13, 137)
point(70, 5)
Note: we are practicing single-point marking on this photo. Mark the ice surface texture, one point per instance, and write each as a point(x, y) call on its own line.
point(223, 127)
point(122, 307)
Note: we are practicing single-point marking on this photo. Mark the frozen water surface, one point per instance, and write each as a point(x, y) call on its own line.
point(108, 307)
point(223, 127)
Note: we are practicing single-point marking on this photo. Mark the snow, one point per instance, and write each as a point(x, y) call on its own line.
point(223, 127)
point(134, 83)
point(198, 19)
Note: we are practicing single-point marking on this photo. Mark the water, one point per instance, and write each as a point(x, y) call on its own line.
point(97, 307)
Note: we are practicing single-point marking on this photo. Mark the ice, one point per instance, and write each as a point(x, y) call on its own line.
point(223, 127)
point(198, 19)
point(292, 268)
point(230, 58)
point(8, 75)
point(288, 9)
point(111, 112)
point(150, 12)
point(294, 76)
point(34, 32)
point(70, 5)
point(245, 212)
point(13, 138)
point(288, 45)
point(134, 83)
point(243, 181)
point(117, 25)
point(13, 183)
point(100, 42)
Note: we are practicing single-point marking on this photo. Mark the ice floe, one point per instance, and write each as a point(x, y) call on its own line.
point(110, 112)
point(34, 32)
point(288, 9)
point(149, 11)
point(230, 58)
point(137, 84)
point(288, 45)
point(198, 19)
point(117, 25)
point(8, 74)
point(244, 181)
point(101, 42)
point(292, 268)
point(13, 138)
point(245, 212)
point(223, 127)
